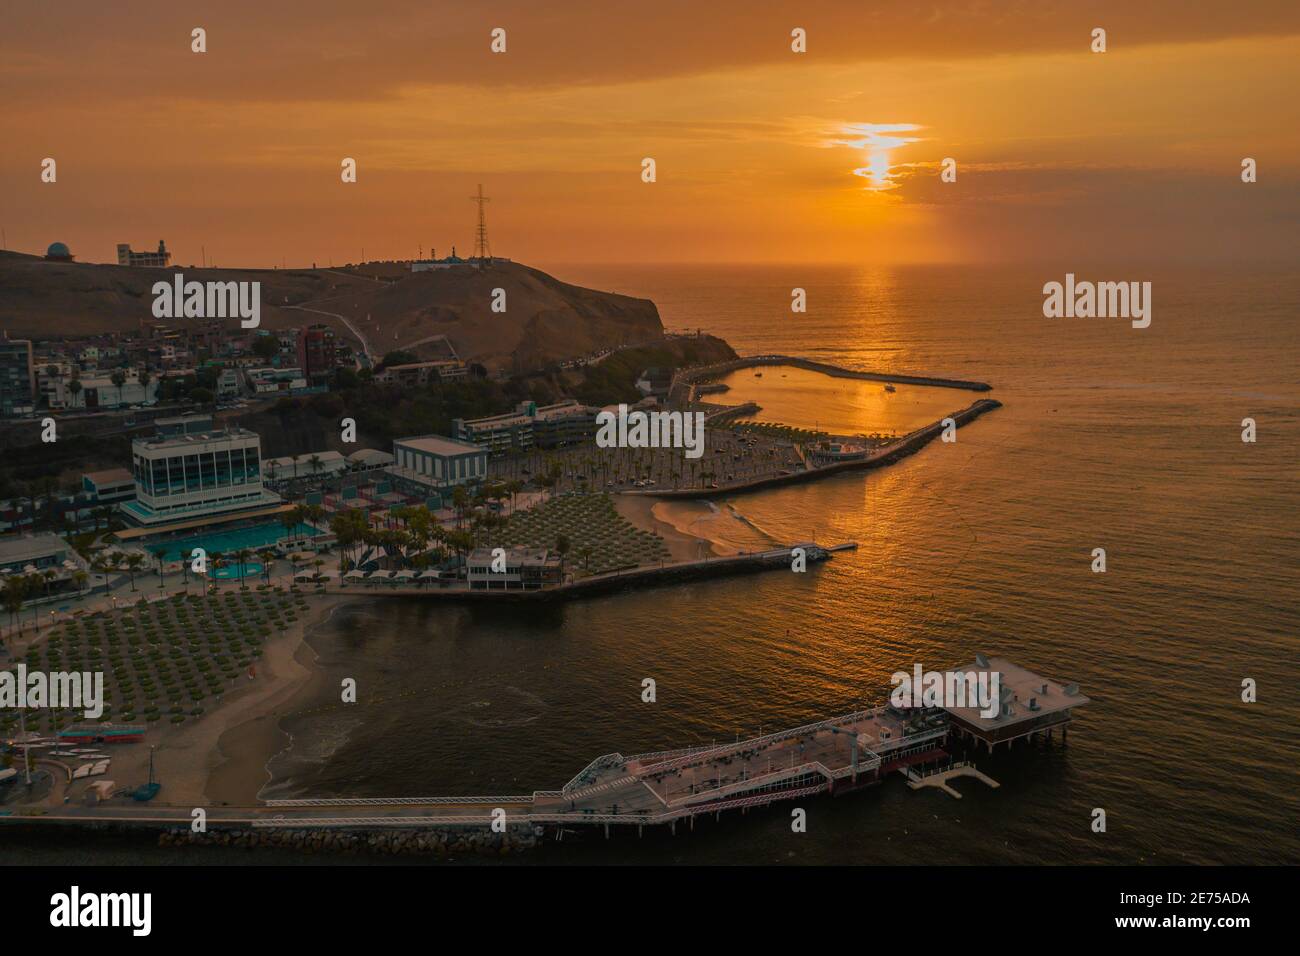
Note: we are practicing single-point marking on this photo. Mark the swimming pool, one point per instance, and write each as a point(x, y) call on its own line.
point(230, 571)
point(254, 538)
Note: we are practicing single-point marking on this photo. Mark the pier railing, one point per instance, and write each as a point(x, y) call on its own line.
point(400, 801)
point(754, 783)
point(806, 730)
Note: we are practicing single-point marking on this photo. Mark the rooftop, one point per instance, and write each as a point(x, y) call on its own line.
point(520, 416)
point(437, 445)
point(18, 550)
point(515, 557)
point(110, 477)
point(1019, 687)
point(194, 438)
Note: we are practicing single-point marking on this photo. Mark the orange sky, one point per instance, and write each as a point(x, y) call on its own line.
point(1061, 152)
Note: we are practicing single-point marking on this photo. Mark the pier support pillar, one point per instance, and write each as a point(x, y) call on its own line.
point(673, 826)
point(692, 823)
point(640, 827)
point(1064, 735)
point(606, 831)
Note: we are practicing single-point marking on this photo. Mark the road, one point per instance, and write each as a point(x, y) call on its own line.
point(365, 344)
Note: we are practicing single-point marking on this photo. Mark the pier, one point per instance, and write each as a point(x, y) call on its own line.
point(683, 390)
point(887, 454)
point(774, 559)
point(668, 788)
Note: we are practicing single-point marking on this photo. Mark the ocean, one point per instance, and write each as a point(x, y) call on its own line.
point(1113, 437)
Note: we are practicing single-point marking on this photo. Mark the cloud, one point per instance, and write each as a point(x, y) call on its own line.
point(334, 50)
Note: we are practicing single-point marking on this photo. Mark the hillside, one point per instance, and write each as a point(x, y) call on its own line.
point(390, 308)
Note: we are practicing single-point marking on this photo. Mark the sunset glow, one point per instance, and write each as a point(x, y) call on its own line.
point(763, 154)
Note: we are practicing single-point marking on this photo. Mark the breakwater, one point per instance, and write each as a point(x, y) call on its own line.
point(774, 559)
point(684, 387)
point(439, 841)
point(909, 444)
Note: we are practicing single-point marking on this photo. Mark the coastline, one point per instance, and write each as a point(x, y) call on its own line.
point(221, 759)
point(237, 768)
point(639, 511)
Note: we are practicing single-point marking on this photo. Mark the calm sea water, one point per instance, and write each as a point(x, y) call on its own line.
point(1110, 437)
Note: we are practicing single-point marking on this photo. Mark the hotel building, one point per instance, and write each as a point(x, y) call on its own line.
point(190, 477)
point(530, 426)
point(431, 464)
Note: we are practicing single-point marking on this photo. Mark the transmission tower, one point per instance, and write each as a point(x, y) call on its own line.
point(482, 250)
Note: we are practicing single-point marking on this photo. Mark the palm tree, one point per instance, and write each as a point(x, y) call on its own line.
point(13, 596)
point(291, 519)
point(242, 556)
point(268, 557)
point(216, 560)
point(133, 562)
point(75, 387)
point(562, 546)
point(118, 378)
point(81, 577)
point(159, 552)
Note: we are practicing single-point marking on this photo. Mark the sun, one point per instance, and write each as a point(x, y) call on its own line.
point(876, 140)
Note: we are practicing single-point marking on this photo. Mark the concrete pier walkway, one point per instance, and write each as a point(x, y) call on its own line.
point(940, 778)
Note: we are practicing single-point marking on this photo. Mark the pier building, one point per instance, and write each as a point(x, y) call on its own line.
point(1030, 705)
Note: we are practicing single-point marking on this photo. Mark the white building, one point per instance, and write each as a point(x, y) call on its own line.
point(188, 477)
point(97, 390)
point(321, 464)
point(432, 464)
point(521, 569)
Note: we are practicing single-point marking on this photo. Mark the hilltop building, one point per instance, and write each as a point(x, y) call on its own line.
point(158, 260)
point(422, 373)
point(58, 252)
point(317, 352)
point(448, 262)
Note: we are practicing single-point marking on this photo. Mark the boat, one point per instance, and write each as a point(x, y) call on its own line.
point(102, 733)
point(147, 791)
point(890, 388)
point(758, 375)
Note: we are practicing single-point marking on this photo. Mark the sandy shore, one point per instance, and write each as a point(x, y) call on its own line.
point(221, 759)
point(639, 511)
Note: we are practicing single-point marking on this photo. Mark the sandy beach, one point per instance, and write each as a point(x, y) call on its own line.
point(639, 510)
point(221, 759)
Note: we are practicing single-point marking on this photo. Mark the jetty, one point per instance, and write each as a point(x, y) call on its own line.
point(773, 559)
point(672, 787)
point(684, 388)
point(879, 457)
